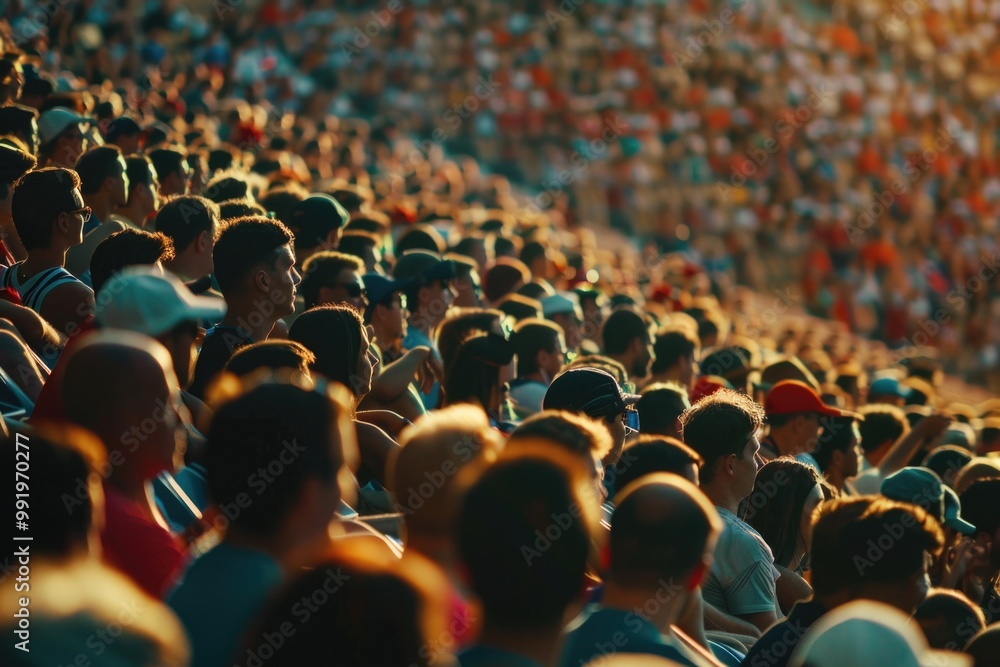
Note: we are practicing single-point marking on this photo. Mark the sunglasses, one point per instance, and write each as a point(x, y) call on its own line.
point(631, 420)
point(354, 290)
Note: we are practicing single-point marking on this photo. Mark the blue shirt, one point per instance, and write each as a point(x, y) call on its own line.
point(219, 596)
point(491, 656)
point(416, 338)
point(601, 631)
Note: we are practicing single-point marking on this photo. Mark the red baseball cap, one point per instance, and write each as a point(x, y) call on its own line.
point(790, 397)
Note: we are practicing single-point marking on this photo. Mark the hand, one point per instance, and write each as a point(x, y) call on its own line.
point(965, 552)
point(933, 425)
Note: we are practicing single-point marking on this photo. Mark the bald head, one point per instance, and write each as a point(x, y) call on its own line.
point(117, 384)
point(662, 529)
point(424, 475)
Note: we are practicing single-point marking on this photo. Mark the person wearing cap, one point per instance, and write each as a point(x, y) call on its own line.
point(193, 224)
point(429, 294)
point(124, 133)
point(722, 428)
point(541, 352)
point(317, 222)
point(49, 215)
point(675, 357)
point(596, 394)
point(888, 390)
point(104, 185)
point(21, 122)
point(563, 308)
point(61, 138)
point(848, 565)
point(794, 410)
point(732, 363)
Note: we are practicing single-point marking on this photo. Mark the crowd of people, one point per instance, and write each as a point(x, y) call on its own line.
point(466, 333)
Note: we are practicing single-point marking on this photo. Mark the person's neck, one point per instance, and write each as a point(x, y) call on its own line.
point(538, 644)
point(630, 599)
point(185, 267)
point(721, 494)
point(385, 341)
point(238, 312)
point(135, 213)
point(422, 321)
point(40, 259)
point(835, 477)
point(63, 160)
point(786, 443)
point(100, 206)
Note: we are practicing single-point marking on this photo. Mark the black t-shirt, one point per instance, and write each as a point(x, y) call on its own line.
point(221, 343)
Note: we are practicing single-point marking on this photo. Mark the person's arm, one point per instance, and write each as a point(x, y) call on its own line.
point(68, 306)
point(374, 445)
point(387, 420)
point(761, 620)
point(790, 588)
point(903, 450)
point(716, 619)
point(394, 378)
point(37, 333)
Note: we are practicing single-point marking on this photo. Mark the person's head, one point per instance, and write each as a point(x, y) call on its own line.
point(722, 427)
point(317, 222)
point(123, 132)
point(282, 201)
point(675, 355)
point(576, 433)
point(459, 324)
point(145, 429)
point(172, 171)
point(844, 564)
point(985, 646)
point(596, 394)
point(429, 293)
point(67, 500)
point(128, 247)
point(839, 447)
point(780, 508)
point(445, 447)
point(888, 391)
point(946, 461)
point(302, 424)
point(14, 163)
point(664, 531)
point(386, 311)
point(468, 286)
point(482, 365)
point(421, 237)
point(143, 186)
point(883, 425)
point(48, 209)
point(61, 137)
point(365, 246)
point(226, 185)
point(504, 277)
point(149, 301)
point(794, 413)
point(192, 223)
point(104, 176)
point(949, 619)
point(660, 408)
point(540, 349)
point(21, 122)
point(525, 585)
point(656, 453)
point(564, 310)
point(980, 504)
point(626, 337)
point(338, 338)
point(272, 355)
point(333, 278)
point(240, 208)
point(254, 260)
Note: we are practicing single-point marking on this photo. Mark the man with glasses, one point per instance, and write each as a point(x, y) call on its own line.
point(104, 185)
point(60, 132)
point(49, 215)
point(333, 278)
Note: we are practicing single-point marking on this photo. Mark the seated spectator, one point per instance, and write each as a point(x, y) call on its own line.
point(124, 133)
point(143, 198)
point(984, 646)
point(468, 288)
point(842, 571)
point(271, 355)
point(946, 461)
point(129, 247)
point(20, 121)
point(499, 524)
point(949, 619)
point(143, 433)
point(364, 246)
point(503, 278)
point(660, 408)
point(61, 139)
point(889, 443)
point(333, 278)
point(14, 163)
point(540, 350)
point(722, 428)
point(104, 185)
point(888, 391)
point(483, 365)
point(255, 267)
point(273, 523)
point(171, 171)
point(654, 453)
point(794, 411)
point(564, 310)
point(192, 224)
point(838, 454)
point(626, 339)
point(675, 357)
point(519, 307)
point(316, 223)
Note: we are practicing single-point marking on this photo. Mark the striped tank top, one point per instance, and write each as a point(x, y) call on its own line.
point(34, 290)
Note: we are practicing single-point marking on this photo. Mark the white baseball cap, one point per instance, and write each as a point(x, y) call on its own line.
point(869, 634)
point(150, 301)
point(54, 122)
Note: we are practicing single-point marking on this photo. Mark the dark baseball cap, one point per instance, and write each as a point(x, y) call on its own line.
point(320, 211)
point(590, 391)
point(423, 266)
point(121, 127)
point(380, 288)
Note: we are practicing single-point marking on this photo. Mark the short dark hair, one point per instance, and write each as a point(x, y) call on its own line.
point(948, 619)
point(321, 269)
point(469, 378)
point(645, 546)
point(653, 453)
point(282, 201)
point(838, 436)
point(720, 424)
point(621, 328)
point(96, 165)
point(522, 586)
point(882, 422)
point(250, 431)
point(660, 407)
point(981, 506)
point(220, 158)
point(334, 335)
point(39, 198)
point(532, 336)
point(355, 242)
point(947, 458)
point(245, 244)
point(272, 354)
point(227, 185)
point(531, 251)
point(140, 172)
point(184, 217)
point(844, 529)
point(458, 324)
point(14, 164)
point(128, 247)
point(576, 432)
point(670, 345)
point(421, 237)
point(240, 208)
point(167, 161)
point(774, 507)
